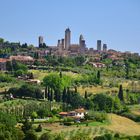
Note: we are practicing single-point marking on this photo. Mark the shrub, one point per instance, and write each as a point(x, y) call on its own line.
point(131, 116)
point(30, 136)
point(6, 78)
point(97, 116)
point(39, 128)
point(46, 136)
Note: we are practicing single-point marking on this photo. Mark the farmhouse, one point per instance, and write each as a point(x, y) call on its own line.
point(77, 113)
point(23, 59)
point(3, 64)
point(97, 65)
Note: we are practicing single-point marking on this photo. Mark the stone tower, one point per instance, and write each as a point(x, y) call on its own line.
point(99, 45)
point(40, 40)
point(67, 38)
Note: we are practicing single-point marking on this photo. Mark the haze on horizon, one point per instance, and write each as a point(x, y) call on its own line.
point(116, 23)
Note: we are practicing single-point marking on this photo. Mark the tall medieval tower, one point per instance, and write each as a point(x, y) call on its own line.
point(67, 38)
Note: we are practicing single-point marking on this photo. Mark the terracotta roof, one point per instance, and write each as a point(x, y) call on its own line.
point(22, 58)
point(3, 60)
point(63, 113)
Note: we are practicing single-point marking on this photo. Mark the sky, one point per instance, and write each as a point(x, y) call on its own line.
point(115, 22)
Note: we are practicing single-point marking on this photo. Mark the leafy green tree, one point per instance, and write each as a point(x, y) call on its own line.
point(46, 136)
point(34, 115)
point(9, 66)
point(29, 91)
point(19, 72)
point(79, 60)
point(103, 102)
point(57, 84)
point(7, 128)
point(89, 104)
point(42, 113)
point(18, 66)
point(76, 100)
point(1, 40)
point(7, 119)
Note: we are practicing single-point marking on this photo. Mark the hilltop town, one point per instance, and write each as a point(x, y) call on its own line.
point(68, 91)
point(28, 54)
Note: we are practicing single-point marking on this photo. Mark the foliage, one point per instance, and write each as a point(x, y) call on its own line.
point(104, 137)
point(43, 113)
point(46, 136)
point(7, 128)
point(80, 136)
point(103, 102)
point(19, 72)
point(6, 78)
point(56, 82)
point(30, 136)
point(27, 91)
point(120, 94)
point(7, 119)
point(96, 116)
point(34, 115)
point(131, 116)
point(26, 126)
point(39, 128)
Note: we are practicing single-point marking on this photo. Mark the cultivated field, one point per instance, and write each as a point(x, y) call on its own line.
point(118, 124)
point(123, 125)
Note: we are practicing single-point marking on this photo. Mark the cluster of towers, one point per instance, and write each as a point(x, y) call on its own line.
point(65, 43)
point(99, 46)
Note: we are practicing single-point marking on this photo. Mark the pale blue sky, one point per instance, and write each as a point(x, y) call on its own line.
point(115, 22)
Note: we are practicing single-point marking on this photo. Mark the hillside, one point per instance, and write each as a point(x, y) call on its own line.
point(123, 125)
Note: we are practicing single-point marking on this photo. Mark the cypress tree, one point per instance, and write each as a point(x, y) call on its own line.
point(98, 75)
point(51, 95)
point(68, 95)
point(120, 94)
point(75, 88)
point(86, 96)
point(48, 93)
point(55, 95)
point(60, 74)
point(64, 95)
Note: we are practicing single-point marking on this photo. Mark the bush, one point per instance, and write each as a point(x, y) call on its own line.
point(104, 137)
point(131, 116)
point(97, 116)
point(6, 78)
point(39, 128)
point(30, 136)
point(7, 119)
point(27, 91)
point(19, 73)
point(46, 136)
point(117, 135)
